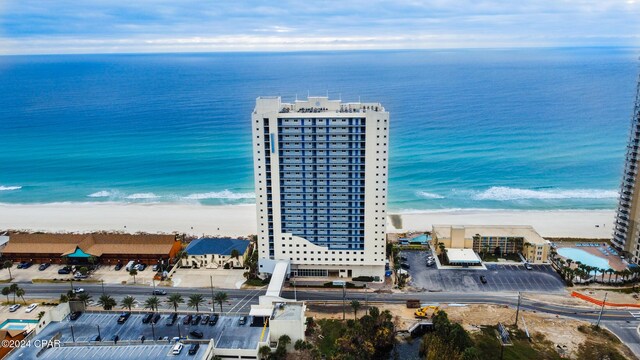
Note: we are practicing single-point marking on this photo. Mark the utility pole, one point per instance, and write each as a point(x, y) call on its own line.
point(344, 294)
point(295, 293)
point(153, 280)
point(518, 309)
point(601, 309)
point(102, 282)
point(99, 335)
point(73, 336)
point(213, 301)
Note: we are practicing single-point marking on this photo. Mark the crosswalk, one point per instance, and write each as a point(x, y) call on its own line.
point(635, 314)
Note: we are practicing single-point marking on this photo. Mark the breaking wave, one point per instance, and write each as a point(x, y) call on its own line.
point(503, 193)
point(428, 195)
point(9, 188)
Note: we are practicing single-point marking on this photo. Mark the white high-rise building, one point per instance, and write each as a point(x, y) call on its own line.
point(321, 178)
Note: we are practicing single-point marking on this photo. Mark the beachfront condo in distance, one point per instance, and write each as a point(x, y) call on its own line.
point(627, 223)
point(321, 169)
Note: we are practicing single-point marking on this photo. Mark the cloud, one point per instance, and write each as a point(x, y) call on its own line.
point(69, 26)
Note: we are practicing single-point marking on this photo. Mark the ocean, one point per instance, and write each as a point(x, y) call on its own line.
point(538, 129)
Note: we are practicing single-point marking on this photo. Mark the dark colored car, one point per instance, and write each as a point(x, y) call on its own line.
point(25, 265)
point(155, 267)
point(115, 338)
point(403, 258)
point(147, 318)
point(142, 338)
point(65, 270)
point(243, 320)
point(171, 319)
point(44, 266)
point(483, 279)
point(95, 338)
point(118, 267)
point(193, 349)
point(196, 320)
point(141, 267)
point(405, 266)
point(159, 292)
point(214, 319)
point(156, 318)
point(75, 315)
point(197, 334)
point(187, 319)
point(124, 317)
point(528, 266)
point(205, 320)
point(21, 264)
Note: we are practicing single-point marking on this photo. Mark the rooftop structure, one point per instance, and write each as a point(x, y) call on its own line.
point(321, 174)
point(223, 246)
point(462, 256)
point(47, 247)
point(626, 231)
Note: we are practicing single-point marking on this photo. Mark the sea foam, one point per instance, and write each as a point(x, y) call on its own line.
point(9, 188)
point(428, 195)
point(101, 194)
point(503, 193)
point(225, 194)
point(142, 196)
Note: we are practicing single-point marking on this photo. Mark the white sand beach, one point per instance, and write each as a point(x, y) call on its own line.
point(239, 220)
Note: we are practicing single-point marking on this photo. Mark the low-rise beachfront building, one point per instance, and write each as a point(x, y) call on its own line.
point(500, 239)
point(216, 253)
point(95, 248)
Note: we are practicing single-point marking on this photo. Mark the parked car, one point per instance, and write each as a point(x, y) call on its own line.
point(483, 279)
point(78, 275)
point(141, 267)
point(197, 334)
point(156, 318)
point(75, 315)
point(118, 267)
point(196, 320)
point(187, 319)
point(24, 264)
point(123, 317)
point(155, 267)
point(403, 258)
point(78, 290)
point(242, 321)
point(20, 264)
point(142, 338)
point(15, 307)
point(44, 266)
point(528, 266)
point(147, 318)
point(214, 319)
point(31, 307)
point(177, 348)
point(171, 319)
point(64, 270)
point(405, 266)
point(159, 292)
point(205, 320)
point(193, 349)
point(115, 338)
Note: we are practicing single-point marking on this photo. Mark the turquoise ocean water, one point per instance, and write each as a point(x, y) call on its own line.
point(489, 129)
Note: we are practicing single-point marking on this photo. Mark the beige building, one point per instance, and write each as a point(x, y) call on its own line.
point(216, 253)
point(506, 239)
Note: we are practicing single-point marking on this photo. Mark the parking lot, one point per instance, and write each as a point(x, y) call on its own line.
point(137, 352)
point(227, 333)
point(499, 277)
point(26, 275)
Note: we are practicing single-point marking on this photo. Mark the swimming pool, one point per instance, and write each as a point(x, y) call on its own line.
point(16, 324)
point(584, 257)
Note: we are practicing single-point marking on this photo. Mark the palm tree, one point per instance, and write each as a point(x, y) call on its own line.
point(220, 297)
point(64, 298)
point(107, 302)
point(152, 303)
point(284, 340)
point(195, 300)
point(13, 288)
point(175, 300)
point(617, 273)
point(20, 293)
point(355, 304)
point(264, 351)
point(128, 302)
point(84, 297)
point(603, 271)
point(6, 291)
point(7, 264)
point(133, 272)
point(40, 315)
point(569, 261)
point(235, 253)
point(610, 271)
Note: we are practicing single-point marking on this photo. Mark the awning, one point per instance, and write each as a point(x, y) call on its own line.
point(261, 311)
point(462, 256)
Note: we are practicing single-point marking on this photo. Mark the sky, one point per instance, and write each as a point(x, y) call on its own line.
point(124, 26)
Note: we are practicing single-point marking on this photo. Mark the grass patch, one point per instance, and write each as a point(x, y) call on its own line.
point(56, 281)
point(330, 330)
point(599, 333)
point(5, 281)
point(488, 344)
point(631, 290)
point(255, 282)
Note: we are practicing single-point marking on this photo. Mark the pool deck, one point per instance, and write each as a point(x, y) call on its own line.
point(615, 262)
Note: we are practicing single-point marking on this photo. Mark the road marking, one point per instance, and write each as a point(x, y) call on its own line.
point(635, 314)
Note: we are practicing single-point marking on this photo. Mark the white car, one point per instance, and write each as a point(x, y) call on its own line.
point(31, 307)
point(15, 307)
point(78, 290)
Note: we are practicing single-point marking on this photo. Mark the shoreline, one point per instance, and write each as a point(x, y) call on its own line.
point(240, 220)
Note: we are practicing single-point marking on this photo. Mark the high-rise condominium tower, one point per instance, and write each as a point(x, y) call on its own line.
point(627, 225)
point(321, 169)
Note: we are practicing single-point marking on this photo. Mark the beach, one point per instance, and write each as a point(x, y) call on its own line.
point(240, 220)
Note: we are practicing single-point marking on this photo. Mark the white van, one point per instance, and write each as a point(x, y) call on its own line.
point(177, 348)
point(129, 265)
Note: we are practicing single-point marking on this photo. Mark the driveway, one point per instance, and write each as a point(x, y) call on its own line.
point(500, 277)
